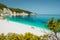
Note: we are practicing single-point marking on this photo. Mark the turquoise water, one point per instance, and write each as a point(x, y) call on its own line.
point(37, 21)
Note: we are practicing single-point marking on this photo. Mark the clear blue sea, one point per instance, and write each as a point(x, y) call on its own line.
point(38, 20)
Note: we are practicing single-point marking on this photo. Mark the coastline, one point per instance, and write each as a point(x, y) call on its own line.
point(13, 27)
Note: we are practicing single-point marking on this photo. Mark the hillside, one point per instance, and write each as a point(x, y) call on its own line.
point(14, 9)
point(19, 10)
point(2, 6)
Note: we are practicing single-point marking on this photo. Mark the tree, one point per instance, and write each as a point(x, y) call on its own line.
point(2, 6)
point(2, 37)
point(54, 26)
point(58, 21)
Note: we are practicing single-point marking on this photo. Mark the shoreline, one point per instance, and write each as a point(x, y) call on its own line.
point(13, 27)
point(31, 24)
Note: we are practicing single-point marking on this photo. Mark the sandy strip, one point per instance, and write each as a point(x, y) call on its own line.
point(8, 26)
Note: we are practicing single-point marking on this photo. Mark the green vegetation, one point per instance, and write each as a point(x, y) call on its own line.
point(14, 9)
point(2, 37)
point(54, 26)
point(19, 10)
point(26, 36)
point(2, 6)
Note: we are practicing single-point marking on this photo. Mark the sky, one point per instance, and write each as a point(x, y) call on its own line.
point(35, 6)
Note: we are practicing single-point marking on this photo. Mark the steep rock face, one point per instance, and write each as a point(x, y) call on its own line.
point(13, 11)
point(8, 12)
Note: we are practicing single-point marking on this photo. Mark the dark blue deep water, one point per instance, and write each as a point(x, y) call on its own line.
point(37, 20)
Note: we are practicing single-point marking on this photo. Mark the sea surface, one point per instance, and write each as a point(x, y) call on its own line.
point(38, 20)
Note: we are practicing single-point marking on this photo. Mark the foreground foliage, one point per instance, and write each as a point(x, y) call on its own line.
point(54, 26)
point(26, 36)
